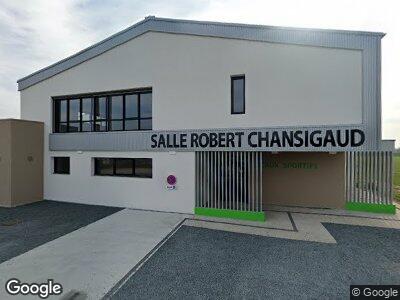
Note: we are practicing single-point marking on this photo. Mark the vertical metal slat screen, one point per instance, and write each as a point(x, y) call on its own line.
point(229, 180)
point(369, 177)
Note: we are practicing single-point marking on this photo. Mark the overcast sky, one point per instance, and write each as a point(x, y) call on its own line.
point(36, 33)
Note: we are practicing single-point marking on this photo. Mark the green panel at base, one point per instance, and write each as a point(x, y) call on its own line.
point(371, 207)
point(231, 214)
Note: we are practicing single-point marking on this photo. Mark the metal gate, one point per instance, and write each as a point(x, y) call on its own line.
point(369, 177)
point(229, 180)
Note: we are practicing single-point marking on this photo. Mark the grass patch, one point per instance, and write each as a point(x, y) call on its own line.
point(396, 178)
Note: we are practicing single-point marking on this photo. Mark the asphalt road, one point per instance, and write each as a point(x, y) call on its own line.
point(26, 227)
point(200, 263)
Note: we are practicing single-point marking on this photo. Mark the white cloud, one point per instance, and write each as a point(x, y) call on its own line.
point(37, 33)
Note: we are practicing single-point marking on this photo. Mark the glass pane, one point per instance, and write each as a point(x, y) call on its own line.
point(74, 127)
point(238, 95)
point(145, 105)
point(146, 124)
point(87, 109)
point(116, 125)
point(74, 110)
point(62, 127)
point(61, 165)
point(131, 106)
point(143, 167)
point(101, 108)
point(116, 107)
point(124, 166)
point(131, 124)
point(104, 166)
point(61, 111)
point(86, 126)
point(100, 126)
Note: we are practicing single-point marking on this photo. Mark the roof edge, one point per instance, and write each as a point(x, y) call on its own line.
point(356, 32)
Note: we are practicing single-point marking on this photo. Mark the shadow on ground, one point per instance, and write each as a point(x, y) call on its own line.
point(203, 263)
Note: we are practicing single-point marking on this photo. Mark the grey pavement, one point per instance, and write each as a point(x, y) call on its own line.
point(26, 227)
point(199, 263)
point(91, 260)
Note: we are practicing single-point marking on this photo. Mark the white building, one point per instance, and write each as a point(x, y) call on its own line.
point(243, 116)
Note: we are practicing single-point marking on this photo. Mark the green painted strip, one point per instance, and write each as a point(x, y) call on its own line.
point(372, 207)
point(231, 214)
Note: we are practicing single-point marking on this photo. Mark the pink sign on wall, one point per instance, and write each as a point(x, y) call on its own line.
point(171, 182)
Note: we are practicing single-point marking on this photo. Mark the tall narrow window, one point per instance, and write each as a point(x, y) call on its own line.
point(132, 112)
point(74, 115)
point(100, 114)
point(146, 111)
point(116, 113)
point(238, 94)
point(61, 116)
point(87, 114)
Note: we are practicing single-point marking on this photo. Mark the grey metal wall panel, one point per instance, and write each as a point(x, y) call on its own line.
point(141, 141)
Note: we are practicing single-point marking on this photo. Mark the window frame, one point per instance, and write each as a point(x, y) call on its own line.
point(55, 158)
point(109, 113)
point(95, 120)
point(233, 78)
point(94, 103)
point(91, 122)
point(114, 163)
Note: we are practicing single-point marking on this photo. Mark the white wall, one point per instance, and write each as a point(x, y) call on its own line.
point(286, 85)
point(144, 193)
point(190, 76)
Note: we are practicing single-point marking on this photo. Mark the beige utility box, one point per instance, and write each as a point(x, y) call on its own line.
point(21, 162)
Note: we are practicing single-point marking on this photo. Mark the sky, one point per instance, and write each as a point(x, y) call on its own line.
point(37, 33)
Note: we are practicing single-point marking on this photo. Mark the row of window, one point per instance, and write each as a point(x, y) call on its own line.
point(106, 166)
point(127, 111)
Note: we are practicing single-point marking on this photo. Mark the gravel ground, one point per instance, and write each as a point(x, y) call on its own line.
point(199, 263)
point(26, 227)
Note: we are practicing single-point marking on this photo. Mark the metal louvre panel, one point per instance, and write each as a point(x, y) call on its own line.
point(229, 180)
point(369, 177)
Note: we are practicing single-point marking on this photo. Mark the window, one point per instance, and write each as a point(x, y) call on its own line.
point(87, 114)
point(124, 167)
point(74, 115)
point(116, 104)
point(238, 94)
point(128, 167)
point(61, 165)
point(100, 114)
point(143, 167)
point(131, 110)
point(61, 116)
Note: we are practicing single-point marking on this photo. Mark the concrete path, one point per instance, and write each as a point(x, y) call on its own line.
point(92, 259)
